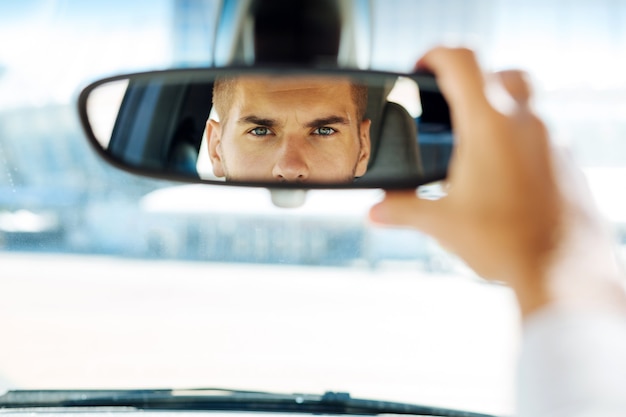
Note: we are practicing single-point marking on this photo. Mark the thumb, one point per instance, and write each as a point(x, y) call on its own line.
point(405, 208)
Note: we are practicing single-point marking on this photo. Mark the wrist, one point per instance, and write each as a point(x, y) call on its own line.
point(575, 290)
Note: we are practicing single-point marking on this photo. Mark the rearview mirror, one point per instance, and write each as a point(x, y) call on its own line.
point(278, 127)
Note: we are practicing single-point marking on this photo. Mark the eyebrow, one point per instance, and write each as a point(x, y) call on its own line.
point(330, 120)
point(255, 120)
point(322, 121)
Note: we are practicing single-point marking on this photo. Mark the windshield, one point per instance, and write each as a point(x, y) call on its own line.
point(115, 281)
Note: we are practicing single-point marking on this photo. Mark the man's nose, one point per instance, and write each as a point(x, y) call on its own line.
point(291, 164)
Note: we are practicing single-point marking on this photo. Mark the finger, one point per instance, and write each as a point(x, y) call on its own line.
point(459, 77)
point(404, 208)
point(517, 84)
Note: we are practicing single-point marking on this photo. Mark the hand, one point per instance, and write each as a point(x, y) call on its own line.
point(515, 209)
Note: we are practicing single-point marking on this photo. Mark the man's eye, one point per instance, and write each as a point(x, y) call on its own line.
point(324, 131)
point(261, 131)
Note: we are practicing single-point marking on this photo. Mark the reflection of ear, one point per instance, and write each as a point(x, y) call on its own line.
point(214, 140)
point(364, 156)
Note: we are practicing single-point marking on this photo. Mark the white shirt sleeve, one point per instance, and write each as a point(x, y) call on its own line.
point(573, 364)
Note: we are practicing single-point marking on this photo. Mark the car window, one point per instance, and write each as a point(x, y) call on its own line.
point(110, 280)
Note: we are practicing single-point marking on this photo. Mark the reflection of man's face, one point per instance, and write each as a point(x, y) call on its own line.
point(294, 129)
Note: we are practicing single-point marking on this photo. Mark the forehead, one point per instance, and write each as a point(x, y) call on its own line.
point(292, 90)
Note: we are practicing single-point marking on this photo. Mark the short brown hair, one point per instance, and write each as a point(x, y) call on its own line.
point(224, 91)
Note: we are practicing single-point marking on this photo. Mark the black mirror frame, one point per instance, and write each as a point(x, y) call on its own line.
point(425, 80)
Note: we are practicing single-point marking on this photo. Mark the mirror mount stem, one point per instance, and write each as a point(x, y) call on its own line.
point(285, 198)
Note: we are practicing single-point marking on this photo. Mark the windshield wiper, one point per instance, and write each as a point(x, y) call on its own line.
point(211, 399)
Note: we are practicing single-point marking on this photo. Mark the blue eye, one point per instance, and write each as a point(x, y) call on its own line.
point(324, 131)
point(261, 131)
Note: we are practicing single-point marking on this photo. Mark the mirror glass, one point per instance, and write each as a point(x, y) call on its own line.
point(273, 127)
